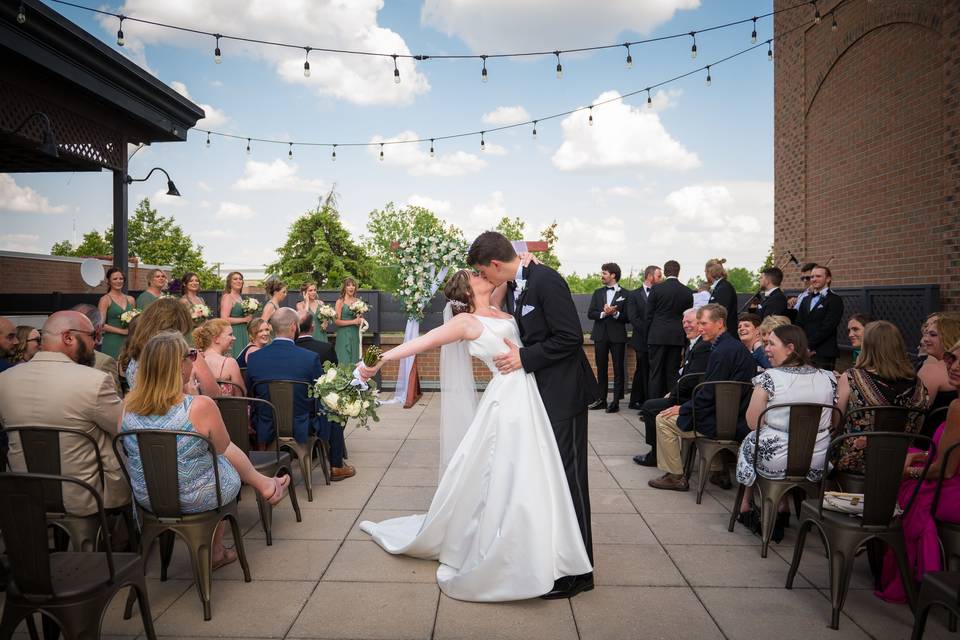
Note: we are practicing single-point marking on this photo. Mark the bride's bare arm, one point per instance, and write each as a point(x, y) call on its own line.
point(461, 327)
point(497, 296)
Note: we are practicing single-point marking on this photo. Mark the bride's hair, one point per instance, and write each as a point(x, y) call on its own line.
point(459, 293)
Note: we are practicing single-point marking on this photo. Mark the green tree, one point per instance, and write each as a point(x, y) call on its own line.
point(742, 279)
point(515, 229)
point(93, 244)
point(320, 249)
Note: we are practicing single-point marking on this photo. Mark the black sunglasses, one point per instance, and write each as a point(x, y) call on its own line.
point(191, 355)
point(806, 278)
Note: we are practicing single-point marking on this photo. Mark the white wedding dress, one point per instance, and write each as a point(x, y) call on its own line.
point(502, 522)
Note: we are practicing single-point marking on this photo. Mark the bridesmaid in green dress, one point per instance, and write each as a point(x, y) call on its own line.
point(232, 312)
point(311, 304)
point(114, 303)
point(348, 325)
point(156, 281)
point(277, 291)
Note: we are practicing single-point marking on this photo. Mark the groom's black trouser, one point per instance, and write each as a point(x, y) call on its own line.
point(571, 435)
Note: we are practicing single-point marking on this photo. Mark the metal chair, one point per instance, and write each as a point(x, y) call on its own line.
point(728, 396)
point(938, 587)
point(41, 454)
point(281, 396)
point(804, 427)
point(686, 445)
point(270, 463)
point(73, 589)
point(843, 534)
point(948, 532)
point(158, 450)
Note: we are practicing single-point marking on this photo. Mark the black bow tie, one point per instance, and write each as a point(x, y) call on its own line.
point(611, 288)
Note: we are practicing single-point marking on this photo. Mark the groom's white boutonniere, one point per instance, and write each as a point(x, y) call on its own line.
point(521, 285)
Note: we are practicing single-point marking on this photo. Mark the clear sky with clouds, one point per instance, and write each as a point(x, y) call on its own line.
point(689, 179)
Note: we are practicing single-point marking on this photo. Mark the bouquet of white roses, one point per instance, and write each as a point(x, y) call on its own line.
point(250, 305)
point(326, 311)
point(127, 316)
point(344, 396)
point(360, 307)
point(199, 312)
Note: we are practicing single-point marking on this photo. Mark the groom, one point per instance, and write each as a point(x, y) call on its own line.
point(540, 301)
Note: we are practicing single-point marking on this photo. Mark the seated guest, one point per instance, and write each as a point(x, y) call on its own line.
point(940, 329)
point(773, 302)
point(694, 361)
point(60, 388)
point(305, 339)
point(166, 314)
point(770, 323)
point(882, 376)
point(214, 338)
point(791, 379)
point(920, 523)
point(282, 359)
point(855, 326)
point(259, 334)
point(748, 330)
point(819, 314)
point(729, 360)
point(28, 344)
point(104, 362)
point(158, 403)
point(8, 343)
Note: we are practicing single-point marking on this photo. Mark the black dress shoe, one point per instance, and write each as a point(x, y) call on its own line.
point(647, 460)
point(614, 408)
point(634, 405)
point(599, 404)
point(569, 586)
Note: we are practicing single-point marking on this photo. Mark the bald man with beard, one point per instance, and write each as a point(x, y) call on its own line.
point(59, 387)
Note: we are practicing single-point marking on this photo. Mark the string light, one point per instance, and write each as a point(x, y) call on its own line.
point(534, 129)
point(769, 51)
point(693, 49)
point(396, 70)
point(306, 63)
point(833, 27)
point(483, 72)
point(248, 146)
point(559, 66)
point(333, 156)
point(590, 119)
point(649, 99)
point(208, 139)
point(216, 51)
point(120, 33)
point(21, 14)
point(483, 145)
point(753, 36)
point(290, 152)
point(432, 153)
point(381, 152)
point(629, 57)
point(816, 12)
point(709, 79)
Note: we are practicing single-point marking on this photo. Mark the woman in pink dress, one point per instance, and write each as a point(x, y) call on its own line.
point(920, 524)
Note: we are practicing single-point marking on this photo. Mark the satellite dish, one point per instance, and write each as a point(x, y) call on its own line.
point(91, 271)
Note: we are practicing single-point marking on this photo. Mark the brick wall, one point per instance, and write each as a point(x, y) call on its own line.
point(867, 142)
point(32, 273)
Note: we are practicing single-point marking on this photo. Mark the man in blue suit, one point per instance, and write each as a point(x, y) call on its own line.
point(282, 359)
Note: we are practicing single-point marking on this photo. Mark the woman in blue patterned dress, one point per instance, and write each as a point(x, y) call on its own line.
point(158, 402)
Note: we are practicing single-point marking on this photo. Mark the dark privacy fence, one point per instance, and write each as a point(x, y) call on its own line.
point(905, 306)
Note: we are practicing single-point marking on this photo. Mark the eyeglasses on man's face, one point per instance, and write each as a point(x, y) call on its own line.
point(90, 334)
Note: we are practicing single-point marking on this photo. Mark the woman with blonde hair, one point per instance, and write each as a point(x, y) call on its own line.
point(112, 305)
point(159, 403)
point(722, 292)
point(28, 344)
point(214, 338)
point(156, 282)
point(259, 334)
point(232, 311)
point(348, 324)
point(940, 332)
point(772, 322)
point(882, 376)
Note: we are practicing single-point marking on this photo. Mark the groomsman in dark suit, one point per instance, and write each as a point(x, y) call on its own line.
point(773, 303)
point(722, 293)
point(665, 338)
point(637, 317)
point(820, 314)
point(608, 312)
point(305, 340)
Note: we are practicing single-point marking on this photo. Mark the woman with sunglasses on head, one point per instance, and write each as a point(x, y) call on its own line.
point(940, 331)
point(112, 306)
point(28, 344)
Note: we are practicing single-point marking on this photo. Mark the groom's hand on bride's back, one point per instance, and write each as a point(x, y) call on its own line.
point(509, 361)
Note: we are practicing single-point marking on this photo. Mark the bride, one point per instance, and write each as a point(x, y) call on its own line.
point(502, 522)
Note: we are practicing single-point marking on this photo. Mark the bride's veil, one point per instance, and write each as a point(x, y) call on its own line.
point(458, 394)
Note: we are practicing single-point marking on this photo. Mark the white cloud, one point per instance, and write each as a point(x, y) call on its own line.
point(439, 207)
point(213, 117)
point(203, 186)
point(484, 216)
point(326, 23)
point(621, 136)
point(279, 175)
point(160, 197)
point(234, 211)
point(214, 234)
point(13, 197)
point(415, 157)
point(24, 242)
point(498, 25)
point(506, 115)
point(494, 149)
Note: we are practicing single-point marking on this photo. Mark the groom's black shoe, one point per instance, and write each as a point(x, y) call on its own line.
point(569, 586)
point(614, 407)
point(599, 404)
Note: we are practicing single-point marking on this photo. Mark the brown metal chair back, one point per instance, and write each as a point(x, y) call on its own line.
point(729, 405)
point(687, 376)
point(804, 426)
point(945, 462)
point(235, 412)
point(888, 418)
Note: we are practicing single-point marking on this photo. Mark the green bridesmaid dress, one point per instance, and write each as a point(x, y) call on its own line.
point(113, 342)
point(239, 330)
point(348, 339)
point(318, 333)
point(145, 299)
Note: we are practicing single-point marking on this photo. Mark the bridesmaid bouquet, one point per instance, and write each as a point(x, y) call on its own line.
point(344, 396)
point(326, 312)
point(127, 316)
point(359, 307)
point(199, 312)
point(250, 305)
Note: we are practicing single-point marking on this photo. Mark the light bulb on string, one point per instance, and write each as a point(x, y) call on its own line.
point(559, 66)
point(306, 63)
point(483, 72)
point(208, 139)
point(833, 25)
point(396, 70)
point(381, 152)
point(769, 51)
point(120, 33)
point(590, 118)
point(290, 152)
point(432, 152)
point(534, 129)
point(333, 156)
point(816, 12)
point(709, 79)
point(248, 146)
point(649, 99)
point(483, 145)
point(629, 57)
point(216, 51)
point(21, 14)
point(753, 35)
point(693, 49)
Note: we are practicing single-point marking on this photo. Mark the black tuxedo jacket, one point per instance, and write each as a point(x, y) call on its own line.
point(323, 349)
point(637, 317)
point(820, 323)
point(774, 304)
point(665, 306)
point(694, 361)
point(608, 328)
point(553, 343)
point(726, 296)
